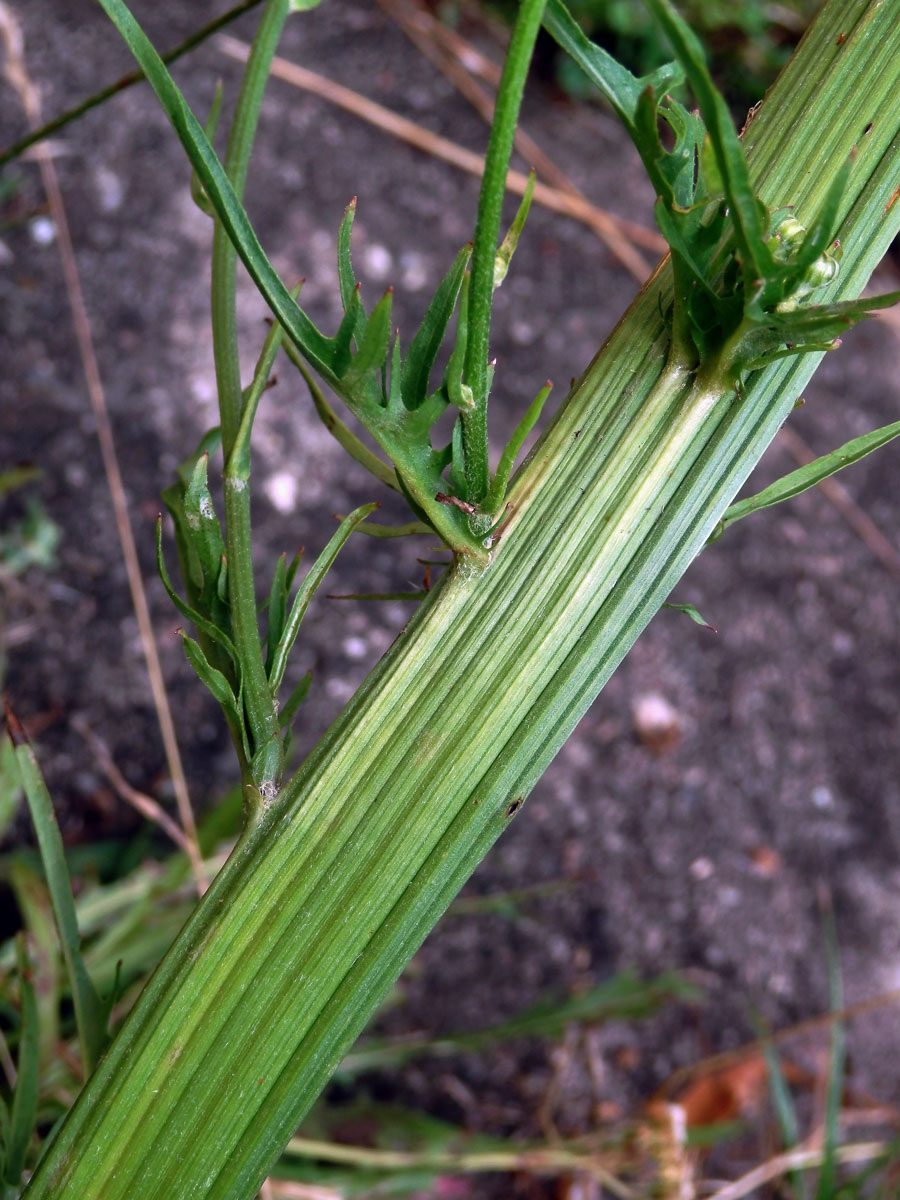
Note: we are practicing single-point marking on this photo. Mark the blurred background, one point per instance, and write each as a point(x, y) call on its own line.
point(661, 898)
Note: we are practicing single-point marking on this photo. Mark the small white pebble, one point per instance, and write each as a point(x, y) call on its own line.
point(657, 723)
point(42, 230)
point(701, 868)
point(355, 647)
point(202, 387)
point(822, 797)
point(378, 262)
point(414, 274)
point(110, 191)
point(281, 489)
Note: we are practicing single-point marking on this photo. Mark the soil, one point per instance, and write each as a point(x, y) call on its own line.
point(708, 848)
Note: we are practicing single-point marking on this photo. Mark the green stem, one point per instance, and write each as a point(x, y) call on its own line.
point(487, 230)
point(327, 895)
point(258, 697)
point(237, 160)
point(262, 718)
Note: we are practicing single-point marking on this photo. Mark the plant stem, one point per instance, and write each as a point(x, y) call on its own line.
point(487, 228)
point(327, 896)
point(258, 702)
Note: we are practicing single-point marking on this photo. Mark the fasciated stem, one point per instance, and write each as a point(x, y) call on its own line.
point(330, 892)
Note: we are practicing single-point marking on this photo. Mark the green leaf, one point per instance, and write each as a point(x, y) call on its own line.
point(618, 85)
point(411, 529)
point(374, 342)
point(809, 475)
point(508, 245)
point(33, 900)
point(237, 468)
point(346, 276)
point(202, 623)
point(496, 495)
point(23, 1114)
point(297, 696)
point(307, 590)
point(221, 690)
point(89, 1011)
point(315, 346)
point(690, 611)
point(206, 535)
point(11, 793)
point(783, 1105)
point(458, 393)
point(430, 335)
point(277, 609)
point(343, 339)
point(198, 195)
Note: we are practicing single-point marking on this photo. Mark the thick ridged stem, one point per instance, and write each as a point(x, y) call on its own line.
point(335, 886)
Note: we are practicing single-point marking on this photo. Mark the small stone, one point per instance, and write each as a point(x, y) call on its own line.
point(281, 489)
point(657, 723)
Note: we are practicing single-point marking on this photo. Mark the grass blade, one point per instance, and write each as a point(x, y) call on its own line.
point(23, 1113)
point(89, 1010)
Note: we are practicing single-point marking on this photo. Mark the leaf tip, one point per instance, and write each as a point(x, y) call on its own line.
point(16, 729)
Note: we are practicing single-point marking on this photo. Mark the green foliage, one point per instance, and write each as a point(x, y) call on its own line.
point(742, 275)
point(350, 834)
point(749, 40)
